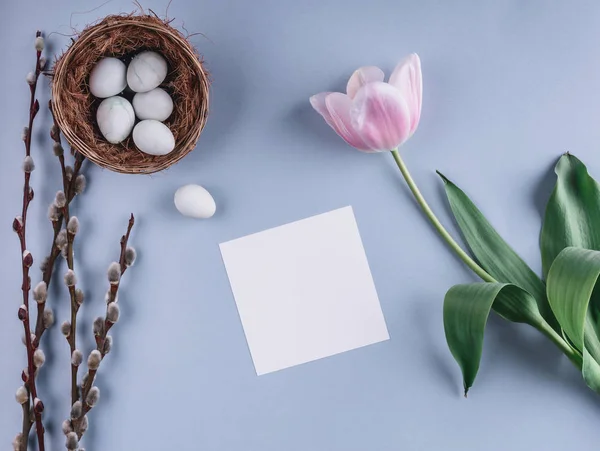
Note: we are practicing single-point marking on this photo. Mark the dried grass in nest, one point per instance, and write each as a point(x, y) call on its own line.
point(123, 36)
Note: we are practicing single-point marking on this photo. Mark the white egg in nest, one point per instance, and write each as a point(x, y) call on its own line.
point(153, 137)
point(115, 119)
point(146, 71)
point(108, 78)
point(155, 104)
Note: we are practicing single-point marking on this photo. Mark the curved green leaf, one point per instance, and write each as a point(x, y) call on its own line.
point(572, 280)
point(466, 310)
point(492, 252)
point(573, 212)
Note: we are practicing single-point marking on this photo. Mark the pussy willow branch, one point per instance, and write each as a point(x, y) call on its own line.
point(68, 187)
point(74, 306)
point(101, 336)
point(33, 401)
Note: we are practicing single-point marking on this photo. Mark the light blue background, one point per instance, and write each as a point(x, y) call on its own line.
point(508, 87)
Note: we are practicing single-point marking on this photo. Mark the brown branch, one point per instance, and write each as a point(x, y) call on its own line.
point(101, 337)
point(69, 190)
point(38, 406)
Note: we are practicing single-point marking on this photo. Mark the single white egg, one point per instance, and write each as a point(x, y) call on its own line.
point(195, 201)
point(108, 78)
point(146, 71)
point(115, 119)
point(155, 104)
point(153, 137)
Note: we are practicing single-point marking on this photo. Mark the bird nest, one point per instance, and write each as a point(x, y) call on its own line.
point(123, 36)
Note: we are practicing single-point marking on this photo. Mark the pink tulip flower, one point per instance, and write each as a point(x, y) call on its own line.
point(374, 116)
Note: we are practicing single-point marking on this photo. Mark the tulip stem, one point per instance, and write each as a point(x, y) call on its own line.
point(436, 222)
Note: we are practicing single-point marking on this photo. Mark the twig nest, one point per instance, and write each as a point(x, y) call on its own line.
point(108, 78)
point(195, 201)
point(156, 56)
point(153, 137)
point(146, 71)
point(115, 118)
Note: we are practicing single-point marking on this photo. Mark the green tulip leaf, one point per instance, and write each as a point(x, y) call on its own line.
point(466, 310)
point(571, 285)
point(573, 212)
point(492, 252)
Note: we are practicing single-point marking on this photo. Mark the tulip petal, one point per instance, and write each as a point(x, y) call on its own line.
point(381, 116)
point(339, 106)
point(318, 103)
point(408, 79)
point(361, 77)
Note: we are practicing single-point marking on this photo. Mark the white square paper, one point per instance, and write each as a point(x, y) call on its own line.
point(304, 291)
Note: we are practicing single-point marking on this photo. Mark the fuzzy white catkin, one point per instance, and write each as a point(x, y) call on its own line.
point(98, 327)
point(53, 212)
point(43, 62)
point(92, 397)
point(18, 222)
point(17, 441)
point(31, 337)
point(25, 133)
point(112, 312)
point(79, 296)
point(76, 410)
point(30, 78)
point(21, 396)
point(39, 43)
point(44, 264)
point(61, 239)
point(28, 164)
point(94, 360)
point(84, 424)
point(65, 328)
point(108, 343)
point(76, 357)
point(73, 225)
point(70, 278)
point(68, 170)
point(40, 292)
point(80, 184)
point(58, 150)
point(39, 358)
point(72, 443)
point(48, 318)
point(130, 256)
point(60, 199)
point(114, 273)
point(27, 258)
point(67, 427)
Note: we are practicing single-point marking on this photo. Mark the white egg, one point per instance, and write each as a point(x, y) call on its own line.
point(153, 137)
point(146, 71)
point(115, 118)
point(108, 78)
point(195, 201)
point(155, 104)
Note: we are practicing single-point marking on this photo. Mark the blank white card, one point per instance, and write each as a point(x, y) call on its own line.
point(304, 291)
